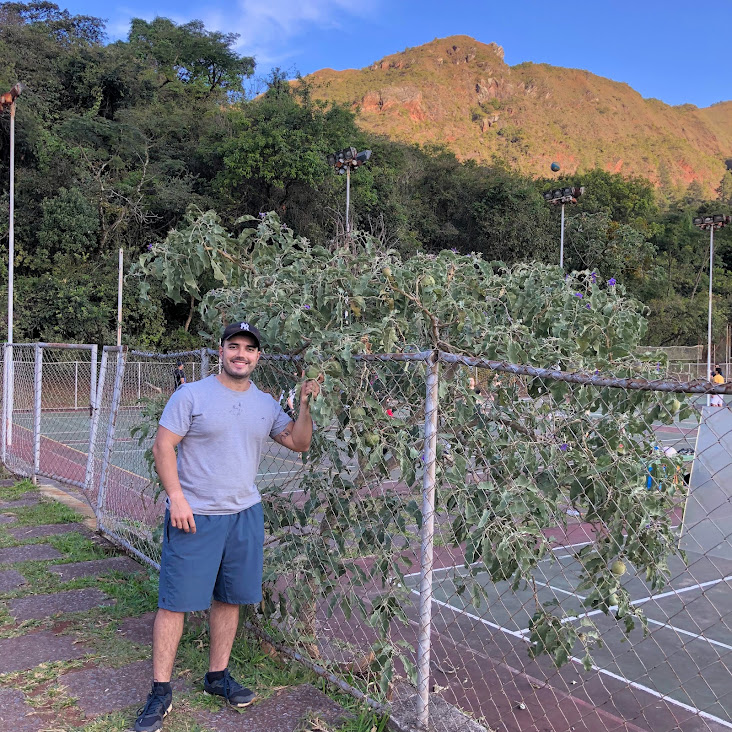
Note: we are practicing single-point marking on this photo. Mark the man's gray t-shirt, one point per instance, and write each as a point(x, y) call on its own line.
point(223, 433)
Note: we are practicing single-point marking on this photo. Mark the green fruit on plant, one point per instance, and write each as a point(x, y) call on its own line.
point(333, 368)
point(386, 271)
point(618, 568)
point(358, 413)
point(428, 281)
point(675, 406)
point(371, 439)
point(613, 599)
point(312, 372)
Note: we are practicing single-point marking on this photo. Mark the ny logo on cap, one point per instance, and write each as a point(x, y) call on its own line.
point(244, 326)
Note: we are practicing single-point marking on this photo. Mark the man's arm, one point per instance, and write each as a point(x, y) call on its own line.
point(298, 435)
point(181, 516)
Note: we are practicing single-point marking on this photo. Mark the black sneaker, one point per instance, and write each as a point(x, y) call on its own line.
point(150, 717)
point(230, 689)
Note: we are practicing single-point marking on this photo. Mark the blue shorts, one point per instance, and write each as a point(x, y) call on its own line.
point(223, 560)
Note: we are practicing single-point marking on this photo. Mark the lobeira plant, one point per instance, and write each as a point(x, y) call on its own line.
point(506, 473)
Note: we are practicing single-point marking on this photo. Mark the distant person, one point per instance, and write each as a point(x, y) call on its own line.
point(717, 378)
point(179, 375)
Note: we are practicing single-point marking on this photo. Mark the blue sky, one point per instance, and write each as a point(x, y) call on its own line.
point(674, 50)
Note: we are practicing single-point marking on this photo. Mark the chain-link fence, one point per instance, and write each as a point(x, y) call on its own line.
point(537, 549)
point(48, 397)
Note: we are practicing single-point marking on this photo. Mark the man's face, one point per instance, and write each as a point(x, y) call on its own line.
point(239, 355)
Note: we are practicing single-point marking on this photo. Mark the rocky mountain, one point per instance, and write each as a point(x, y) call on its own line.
point(460, 93)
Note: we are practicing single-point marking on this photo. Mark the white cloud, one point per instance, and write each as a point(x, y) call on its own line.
point(267, 28)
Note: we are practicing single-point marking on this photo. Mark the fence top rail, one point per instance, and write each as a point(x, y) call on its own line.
point(167, 356)
point(416, 356)
point(698, 386)
point(62, 346)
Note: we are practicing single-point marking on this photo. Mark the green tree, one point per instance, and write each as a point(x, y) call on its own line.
point(191, 55)
point(507, 473)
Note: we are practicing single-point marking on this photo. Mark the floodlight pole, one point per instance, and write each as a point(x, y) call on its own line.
point(709, 317)
point(561, 241)
point(8, 377)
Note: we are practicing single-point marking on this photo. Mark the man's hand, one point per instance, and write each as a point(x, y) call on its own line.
point(181, 516)
point(309, 389)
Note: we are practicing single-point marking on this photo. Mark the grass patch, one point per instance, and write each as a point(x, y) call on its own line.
point(135, 594)
point(13, 492)
point(46, 512)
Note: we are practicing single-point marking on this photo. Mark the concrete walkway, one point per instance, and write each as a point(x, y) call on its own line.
point(45, 654)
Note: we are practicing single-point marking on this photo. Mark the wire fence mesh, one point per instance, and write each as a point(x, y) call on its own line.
point(539, 549)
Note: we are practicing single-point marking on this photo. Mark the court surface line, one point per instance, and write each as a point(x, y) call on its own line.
point(658, 695)
point(643, 600)
point(547, 559)
point(617, 677)
point(696, 636)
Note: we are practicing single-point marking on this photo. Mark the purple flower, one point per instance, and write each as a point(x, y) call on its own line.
point(578, 294)
point(454, 251)
point(612, 282)
point(564, 447)
point(566, 277)
point(262, 214)
point(587, 306)
point(149, 247)
point(593, 278)
point(307, 307)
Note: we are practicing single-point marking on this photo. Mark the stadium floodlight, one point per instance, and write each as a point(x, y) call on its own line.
point(344, 161)
point(562, 196)
point(711, 222)
point(7, 101)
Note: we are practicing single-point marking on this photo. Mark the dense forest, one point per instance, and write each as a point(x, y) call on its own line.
point(116, 141)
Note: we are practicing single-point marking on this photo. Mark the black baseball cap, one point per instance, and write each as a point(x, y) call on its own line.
point(234, 328)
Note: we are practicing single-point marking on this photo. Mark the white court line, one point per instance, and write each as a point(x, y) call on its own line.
point(658, 694)
point(515, 633)
point(547, 559)
point(617, 677)
point(696, 636)
point(559, 589)
point(643, 600)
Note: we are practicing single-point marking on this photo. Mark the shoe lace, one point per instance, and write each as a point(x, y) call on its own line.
point(154, 704)
point(231, 686)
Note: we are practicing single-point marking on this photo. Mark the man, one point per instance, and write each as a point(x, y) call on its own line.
point(179, 375)
point(214, 528)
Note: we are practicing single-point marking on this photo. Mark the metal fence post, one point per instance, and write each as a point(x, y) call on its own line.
point(37, 405)
point(6, 373)
point(204, 363)
point(427, 541)
point(93, 387)
point(96, 411)
point(108, 443)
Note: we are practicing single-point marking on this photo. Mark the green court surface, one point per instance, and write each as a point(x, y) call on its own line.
point(278, 467)
point(684, 659)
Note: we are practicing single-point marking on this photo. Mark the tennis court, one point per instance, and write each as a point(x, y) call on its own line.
point(679, 671)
